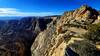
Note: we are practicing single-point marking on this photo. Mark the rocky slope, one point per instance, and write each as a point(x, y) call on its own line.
point(17, 36)
point(76, 33)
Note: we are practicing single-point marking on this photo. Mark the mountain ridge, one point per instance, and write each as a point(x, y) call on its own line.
point(74, 34)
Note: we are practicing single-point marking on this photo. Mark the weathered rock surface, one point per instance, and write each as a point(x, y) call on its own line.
point(76, 33)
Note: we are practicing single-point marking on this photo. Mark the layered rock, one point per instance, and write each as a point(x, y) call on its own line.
point(71, 35)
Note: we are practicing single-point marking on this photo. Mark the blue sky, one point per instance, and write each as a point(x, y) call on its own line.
point(42, 7)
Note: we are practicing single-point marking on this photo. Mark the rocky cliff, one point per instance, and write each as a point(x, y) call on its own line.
point(17, 36)
point(76, 33)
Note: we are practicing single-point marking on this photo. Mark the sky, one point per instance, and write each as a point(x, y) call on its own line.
point(42, 7)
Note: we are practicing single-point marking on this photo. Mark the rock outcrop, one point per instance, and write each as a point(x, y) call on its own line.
point(76, 33)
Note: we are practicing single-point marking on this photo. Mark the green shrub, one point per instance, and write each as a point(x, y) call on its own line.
point(84, 48)
point(93, 32)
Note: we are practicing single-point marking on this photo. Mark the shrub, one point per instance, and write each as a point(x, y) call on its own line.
point(93, 32)
point(84, 48)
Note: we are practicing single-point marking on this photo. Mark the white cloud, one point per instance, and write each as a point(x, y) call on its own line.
point(17, 12)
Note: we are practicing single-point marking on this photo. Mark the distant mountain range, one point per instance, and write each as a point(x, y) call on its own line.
point(20, 17)
point(9, 18)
